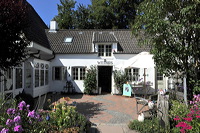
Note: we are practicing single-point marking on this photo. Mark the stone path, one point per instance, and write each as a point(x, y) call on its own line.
point(108, 113)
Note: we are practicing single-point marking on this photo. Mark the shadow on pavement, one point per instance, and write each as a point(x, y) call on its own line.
point(89, 109)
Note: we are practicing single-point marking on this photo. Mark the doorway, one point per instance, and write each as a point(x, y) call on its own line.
point(105, 78)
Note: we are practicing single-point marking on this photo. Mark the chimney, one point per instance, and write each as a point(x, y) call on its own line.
point(53, 26)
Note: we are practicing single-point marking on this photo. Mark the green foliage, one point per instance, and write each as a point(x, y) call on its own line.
point(20, 118)
point(196, 85)
point(102, 14)
point(4, 105)
point(83, 18)
point(148, 126)
point(65, 15)
point(113, 14)
point(172, 28)
point(90, 81)
point(177, 109)
point(187, 122)
point(66, 117)
point(120, 78)
point(13, 24)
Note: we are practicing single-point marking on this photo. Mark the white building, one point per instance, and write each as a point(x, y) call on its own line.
point(58, 56)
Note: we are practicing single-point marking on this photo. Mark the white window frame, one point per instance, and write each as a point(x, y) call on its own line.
point(159, 76)
point(105, 50)
point(38, 66)
point(78, 72)
point(62, 73)
point(133, 74)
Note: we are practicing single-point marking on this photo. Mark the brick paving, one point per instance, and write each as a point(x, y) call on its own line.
point(107, 112)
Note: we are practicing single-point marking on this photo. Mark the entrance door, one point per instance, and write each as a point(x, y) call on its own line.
point(105, 78)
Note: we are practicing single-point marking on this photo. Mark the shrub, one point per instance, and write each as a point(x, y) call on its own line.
point(90, 81)
point(148, 126)
point(21, 119)
point(66, 118)
point(27, 98)
point(120, 78)
point(189, 122)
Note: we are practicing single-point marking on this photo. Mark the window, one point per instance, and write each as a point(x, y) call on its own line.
point(133, 74)
point(42, 75)
point(159, 76)
point(59, 73)
point(18, 83)
point(46, 74)
point(104, 50)
point(68, 39)
point(8, 82)
point(28, 74)
point(37, 75)
point(78, 73)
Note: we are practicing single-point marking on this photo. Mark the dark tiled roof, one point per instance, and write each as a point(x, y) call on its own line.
point(83, 41)
point(36, 30)
point(104, 36)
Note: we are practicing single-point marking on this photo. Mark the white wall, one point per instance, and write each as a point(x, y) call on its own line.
point(87, 60)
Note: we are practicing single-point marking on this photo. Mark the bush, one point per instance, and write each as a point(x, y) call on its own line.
point(66, 118)
point(120, 78)
point(189, 121)
point(21, 119)
point(148, 126)
point(27, 98)
point(90, 81)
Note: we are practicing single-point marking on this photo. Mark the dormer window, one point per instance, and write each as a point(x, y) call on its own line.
point(68, 39)
point(105, 50)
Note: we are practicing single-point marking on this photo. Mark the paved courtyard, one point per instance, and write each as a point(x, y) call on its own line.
point(108, 113)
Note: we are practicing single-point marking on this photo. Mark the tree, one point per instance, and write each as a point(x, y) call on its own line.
point(172, 28)
point(113, 14)
point(102, 14)
point(13, 23)
point(65, 17)
point(83, 18)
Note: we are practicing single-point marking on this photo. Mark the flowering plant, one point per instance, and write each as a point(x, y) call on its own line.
point(21, 119)
point(191, 122)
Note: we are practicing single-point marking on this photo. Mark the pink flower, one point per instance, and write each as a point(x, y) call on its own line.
point(18, 128)
point(188, 119)
point(21, 105)
point(182, 130)
point(189, 115)
point(176, 119)
point(198, 116)
point(181, 124)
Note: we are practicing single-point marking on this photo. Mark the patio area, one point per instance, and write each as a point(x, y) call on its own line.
point(104, 111)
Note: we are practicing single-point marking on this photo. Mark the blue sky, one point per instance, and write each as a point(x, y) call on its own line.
point(47, 9)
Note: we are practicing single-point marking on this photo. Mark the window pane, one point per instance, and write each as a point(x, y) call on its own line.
point(57, 73)
point(108, 50)
point(76, 74)
point(18, 78)
point(28, 75)
point(46, 77)
point(101, 50)
point(36, 77)
point(159, 76)
point(82, 73)
point(135, 74)
point(41, 77)
point(8, 82)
